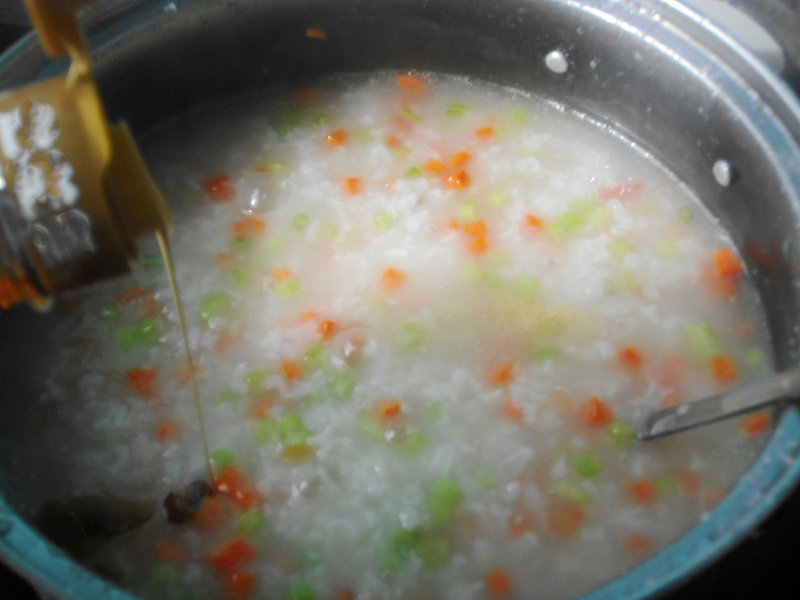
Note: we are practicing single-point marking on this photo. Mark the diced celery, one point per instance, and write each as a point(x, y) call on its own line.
point(466, 211)
point(485, 479)
point(277, 168)
point(432, 412)
point(442, 499)
point(557, 231)
point(543, 353)
point(411, 444)
point(301, 221)
point(261, 431)
point(222, 458)
point(584, 464)
point(244, 243)
point(410, 336)
point(146, 333)
point(370, 426)
point(322, 118)
point(241, 277)
point(571, 220)
point(473, 272)
point(290, 430)
point(401, 152)
point(686, 214)
point(301, 591)
point(256, 382)
point(109, 312)
point(529, 285)
point(163, 574)
point(288, 288)
point(498, 197)
point(216, 306)
point(573, 492)
point(330, 230)
point(668, 249)
point(624, 280)
point(227, 397)
point(312, 559)
point(363, 134)
point(754, 357)
point(432, 550)
point(340, 385)
point(667, 486)
point(518, 116)
point(619, 249)
point(702, 339)
point(384, 221)
point(621, 433)
point(288, 119)
point(153, 262)
point(250, 521)
point(397, 549)
point(410, 115)
point(414, 172)
point(312, 358)
point(455, 109)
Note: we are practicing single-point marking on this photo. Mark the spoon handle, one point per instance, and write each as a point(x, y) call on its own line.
point(721, 406)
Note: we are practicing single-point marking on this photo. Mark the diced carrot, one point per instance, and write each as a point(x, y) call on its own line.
point(565, 519)
point(755, 423)
point(225, 343)
point(502, 375)
point(453, 225)
point(477, 245)
point(641, 491)
point(298, 454)
point(623, 191)
point(233, 483)
point(316, 33)
point(184, 374)
point(280, 274)
point(727, 263)
point(474, 228)
point(638, 544)
point(225, 260)
point(353, 186)
point(511, 411)
point(131, 293)
point(412, 83)
point(484, 133)
point(724, 369)
point(143, 382)
point(239, 585)
point(336, 138)
point(233, 556)
point(307, 94)
point(690, 481)
point(345, 594)
point(533, 222)
point(262, 408)
point(169, 551)
point(459, 159)
point(498, 583)
point(248, 227)
point(326, 329)
point(388, 410)
point(393, 279)
point(435, 167)
point(167, 430)
point(291, 370)
point(151, 307)
point(210, 514)
point(392, 142)
point(458, 180)
point(520, 523)
point(630, 358)
point(219, 188)
point(760, 254)
point(308, 315)
point(671, 399)
point(596, 413)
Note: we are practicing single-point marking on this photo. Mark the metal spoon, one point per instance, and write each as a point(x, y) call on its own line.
point(721, 406)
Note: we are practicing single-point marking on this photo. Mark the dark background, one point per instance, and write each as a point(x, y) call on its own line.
point(766, 566)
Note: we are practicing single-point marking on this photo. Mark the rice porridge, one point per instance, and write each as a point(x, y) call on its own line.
point(424, 313)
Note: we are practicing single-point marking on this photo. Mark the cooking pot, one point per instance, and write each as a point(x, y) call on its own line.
point(652, 69)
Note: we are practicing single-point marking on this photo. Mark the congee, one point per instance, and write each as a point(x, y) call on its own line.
point(424, 314)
